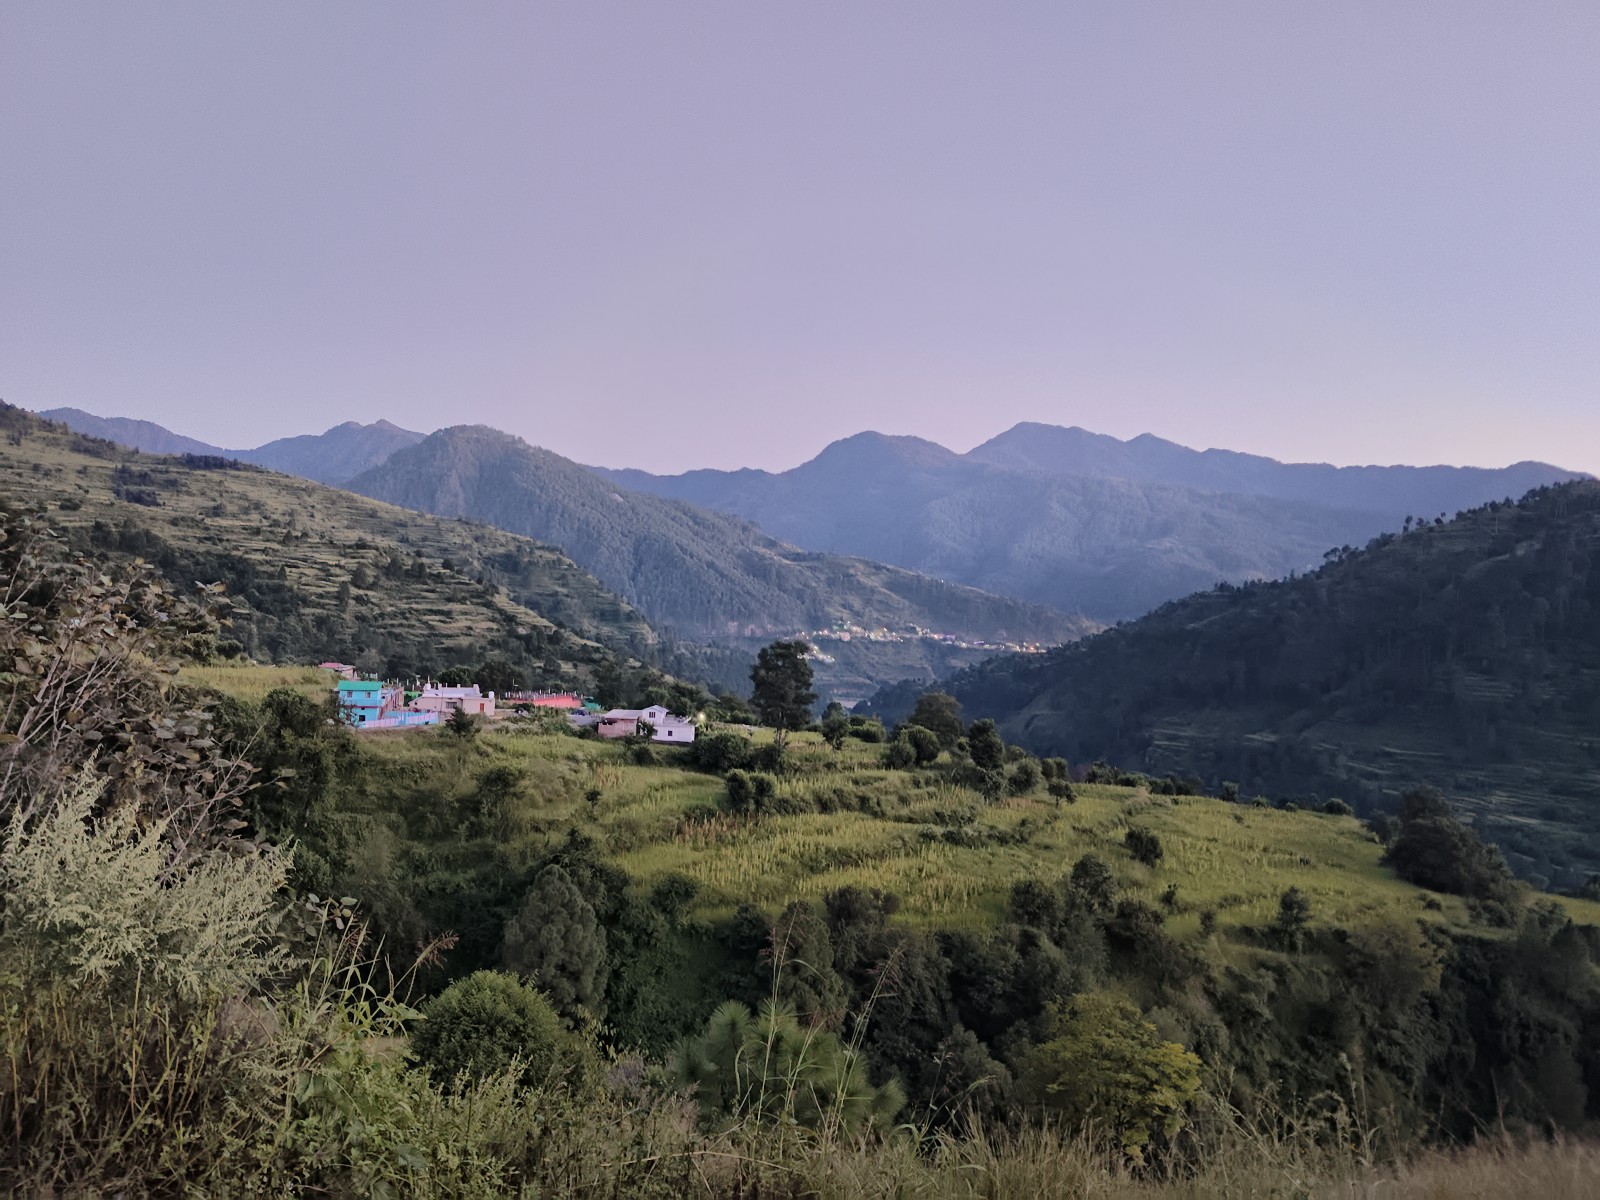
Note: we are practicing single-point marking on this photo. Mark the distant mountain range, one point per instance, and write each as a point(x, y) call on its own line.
point(334, 457)
point(704, 575)
point(1063, 518)
point(1080, 521)
point(1465, 655)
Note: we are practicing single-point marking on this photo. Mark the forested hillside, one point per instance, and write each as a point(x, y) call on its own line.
point(1079, 521)
point(1464, 653)
point(703, 574)
point(316, 573)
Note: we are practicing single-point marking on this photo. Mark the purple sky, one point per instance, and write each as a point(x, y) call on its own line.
point(677, 235)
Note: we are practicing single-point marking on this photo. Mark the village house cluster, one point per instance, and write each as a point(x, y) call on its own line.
point(374, 704)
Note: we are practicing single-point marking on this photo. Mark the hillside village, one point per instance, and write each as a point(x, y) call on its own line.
point(372, 704)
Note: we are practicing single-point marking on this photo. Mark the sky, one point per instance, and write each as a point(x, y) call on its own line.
point(680, 235)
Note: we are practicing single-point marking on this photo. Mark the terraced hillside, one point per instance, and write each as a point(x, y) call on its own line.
point(320, 573)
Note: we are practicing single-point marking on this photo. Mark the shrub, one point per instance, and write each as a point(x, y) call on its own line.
point(1338, 808)
point(771, 1065)
point(1144, 846)
point(1024, 777)
point(480, 1025)
point(869, 730)
point(924, 742)
point(750, 791)
point(720, 752)
point(900, 755)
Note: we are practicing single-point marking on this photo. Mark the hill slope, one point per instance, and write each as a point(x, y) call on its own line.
point(707, 575)
point(320, 573)
point(1463, 654)
point(1077, 520)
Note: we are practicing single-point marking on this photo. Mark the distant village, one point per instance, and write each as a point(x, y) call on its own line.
point(856, 633)
point(369, 704)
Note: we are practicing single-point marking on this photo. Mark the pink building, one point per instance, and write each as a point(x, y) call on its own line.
point(434, 698)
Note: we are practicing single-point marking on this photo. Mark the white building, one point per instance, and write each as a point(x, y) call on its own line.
point(624, 722)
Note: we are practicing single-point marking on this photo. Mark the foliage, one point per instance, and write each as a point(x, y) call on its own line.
point(984, 746)
point(940, 713)
point(1102, 1063)
point(750, 791)
point(490, 1022)
point(1435, 850)
point(557, 942)
point(1294, 915)
point(781, 682)
point(1461, 652)
point(770, 1064)
point(1144, 846)
point(89, 654)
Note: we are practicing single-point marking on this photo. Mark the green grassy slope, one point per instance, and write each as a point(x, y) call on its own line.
point(949, 855)
point(1464, 654)
point(321, 573)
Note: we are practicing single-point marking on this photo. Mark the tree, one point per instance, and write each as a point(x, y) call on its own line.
point(1436, 851)
point(1294, 915)
point(985, 745)
point(496, 675)
point(461, 724)
point(771, 1065)
point(479, 1024)
point(556, 941)
point(1092, 886)
point(835, 729)
point(1103, 1064)
point(941, 713)
point(781, 678)
point(802, 957)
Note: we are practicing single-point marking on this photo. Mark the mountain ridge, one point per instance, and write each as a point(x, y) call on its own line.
point(703, 574)
point(333, 457)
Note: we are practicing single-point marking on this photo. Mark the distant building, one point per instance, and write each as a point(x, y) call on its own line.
point(624, 722)
point(369, 704)
point(343, 670)
point(363, 701)
point(434, 698)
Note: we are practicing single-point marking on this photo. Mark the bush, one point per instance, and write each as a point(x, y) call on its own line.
point(1144, 846)
point(1338, 808)
point(924, 742)
point(480, 1025)
point(1024, 777)
point(750, 791)
point(720, 752)
point(900, 755)
point(869, 730)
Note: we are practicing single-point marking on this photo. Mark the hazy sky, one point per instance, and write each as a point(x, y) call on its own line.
point(670, 235)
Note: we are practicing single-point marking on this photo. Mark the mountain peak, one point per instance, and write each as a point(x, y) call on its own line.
point(874, 447)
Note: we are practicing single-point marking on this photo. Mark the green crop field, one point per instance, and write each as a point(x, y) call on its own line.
point(951, 857)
